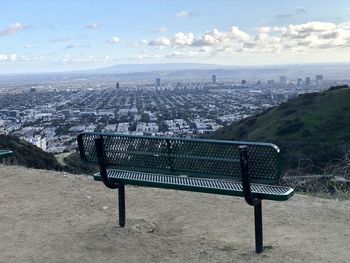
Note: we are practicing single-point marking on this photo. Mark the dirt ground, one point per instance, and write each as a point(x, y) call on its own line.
point(56, 217)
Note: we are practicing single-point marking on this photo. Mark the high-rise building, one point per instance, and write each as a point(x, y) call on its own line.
point(157, 82)
point(213, 79)
point(307, 81)
point(283, 80)
point(319, 79)
point(244, 82)
point(117, 85)
point(299, 81)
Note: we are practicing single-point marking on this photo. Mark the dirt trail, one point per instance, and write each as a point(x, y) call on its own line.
point(56, 217)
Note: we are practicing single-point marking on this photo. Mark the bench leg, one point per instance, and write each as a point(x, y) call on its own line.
point(258, 228)
point(121, 203)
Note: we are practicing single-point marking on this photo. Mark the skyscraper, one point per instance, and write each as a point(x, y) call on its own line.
point(244, 82)
point(213, 79)
point(307, 81)
point(283, 80)
point(299, 81)
point(157, 82)
point(117, 85)
point(319, 79)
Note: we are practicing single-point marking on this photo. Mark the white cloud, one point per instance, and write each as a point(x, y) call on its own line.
point(93, 26)
point(113, 40)
point(160, 30)
point(183, 39)
point(16, 57)
point(142, 42)
point(11, 29)
point(274, 40)
point(74, 45)
point(162, 41)
point(185, 14)
point(143, 56)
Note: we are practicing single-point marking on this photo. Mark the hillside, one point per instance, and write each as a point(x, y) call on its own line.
point(27, 154)
point(312, 126)
point(49, 216)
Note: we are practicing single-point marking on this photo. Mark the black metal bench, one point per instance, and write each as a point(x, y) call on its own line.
point(247, 169)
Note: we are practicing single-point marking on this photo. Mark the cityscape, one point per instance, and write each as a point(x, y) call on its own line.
point(51, 114)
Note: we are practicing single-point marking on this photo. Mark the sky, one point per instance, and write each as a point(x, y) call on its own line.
point(47, 36)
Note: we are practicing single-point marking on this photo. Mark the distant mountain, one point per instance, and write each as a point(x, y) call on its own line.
point(312, 126)
point(133, 68)
point(27, 154)
point(186, 71)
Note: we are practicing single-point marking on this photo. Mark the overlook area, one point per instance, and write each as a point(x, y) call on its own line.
point(57, 217)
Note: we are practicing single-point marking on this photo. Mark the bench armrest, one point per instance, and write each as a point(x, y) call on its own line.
point(102, 163)
point(243, 156)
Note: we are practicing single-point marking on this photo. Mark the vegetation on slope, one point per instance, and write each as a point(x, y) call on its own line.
point(312, 126)
point(27, 154)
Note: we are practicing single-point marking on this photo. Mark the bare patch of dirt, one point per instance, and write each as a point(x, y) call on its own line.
point(49, 216)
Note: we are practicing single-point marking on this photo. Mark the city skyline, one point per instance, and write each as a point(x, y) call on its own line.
point(46, 36)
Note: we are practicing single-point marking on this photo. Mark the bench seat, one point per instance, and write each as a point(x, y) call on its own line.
point(195, 184)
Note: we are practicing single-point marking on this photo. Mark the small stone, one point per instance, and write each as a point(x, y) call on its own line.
point(105, 207)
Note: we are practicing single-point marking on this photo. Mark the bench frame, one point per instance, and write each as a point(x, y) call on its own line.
point(245, 178)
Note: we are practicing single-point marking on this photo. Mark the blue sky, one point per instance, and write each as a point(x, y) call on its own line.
point(49, 35)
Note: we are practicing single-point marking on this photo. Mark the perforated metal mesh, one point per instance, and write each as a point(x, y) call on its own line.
point(198, 158)
point(196, 182)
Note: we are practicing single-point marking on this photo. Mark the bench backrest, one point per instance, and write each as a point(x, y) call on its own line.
point(179, 156)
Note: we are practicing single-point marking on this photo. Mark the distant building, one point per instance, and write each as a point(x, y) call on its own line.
point(213, 79)
point(270, 82)
point(283, 80)
point(319, 79)
point(110, 128)
point(147, 127)
point(37, 141)
point(299, 81)
point(157, 82)
point(117, 85)
point(244, 82)
point(123, 127)
point(307, 81)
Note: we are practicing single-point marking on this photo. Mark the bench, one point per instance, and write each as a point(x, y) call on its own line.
point(5, 154)
point(235, 168)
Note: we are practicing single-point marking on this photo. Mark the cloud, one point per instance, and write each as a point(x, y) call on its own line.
point(10, 57)
point(16, 57)
point(93, 26)
point(185, 14)
point(113, 40)
point(75, 45)
point(159, 30)
point(69, 59)
point(214, 37)
point(143, 56)
point(140, 43)
point(274, 40)
point(300, 10)
point(12, 29)
point(162, 41)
